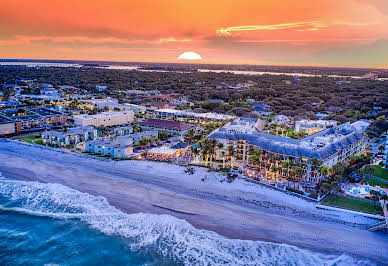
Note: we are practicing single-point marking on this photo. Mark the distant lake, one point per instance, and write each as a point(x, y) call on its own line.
point(118, 67)
point(38, 64)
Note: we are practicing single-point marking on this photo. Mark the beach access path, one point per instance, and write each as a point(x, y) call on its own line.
point(236, 210)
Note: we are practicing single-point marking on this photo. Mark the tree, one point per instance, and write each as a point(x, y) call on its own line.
point(143, 142)
point(287, 165)
point(384, 197)
point(274, 169)
point(195, 152)
point(189, 136)
point(232, 152)
point(375, 195)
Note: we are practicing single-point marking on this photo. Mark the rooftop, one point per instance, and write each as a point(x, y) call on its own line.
point(102, 115)
point(320, 145)
point(166, 124)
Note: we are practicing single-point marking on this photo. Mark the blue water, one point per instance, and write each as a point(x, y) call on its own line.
point(53, 224)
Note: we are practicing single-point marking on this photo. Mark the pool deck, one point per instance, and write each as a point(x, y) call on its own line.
point(347, 192)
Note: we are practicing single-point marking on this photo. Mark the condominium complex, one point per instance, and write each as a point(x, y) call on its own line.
point(71, 137)
point(13, 121)
point(313, 126)
point(192, 117)
point(104, 119)
point(329, 147)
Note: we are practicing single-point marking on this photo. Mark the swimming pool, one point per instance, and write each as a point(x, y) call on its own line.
point(363, 190)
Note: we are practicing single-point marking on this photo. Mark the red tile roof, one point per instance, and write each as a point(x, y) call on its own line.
point(165, 124)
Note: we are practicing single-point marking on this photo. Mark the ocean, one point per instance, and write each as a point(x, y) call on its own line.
point(42, 224)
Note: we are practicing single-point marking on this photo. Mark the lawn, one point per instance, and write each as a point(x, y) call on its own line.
point(29, 139)
point(379, 171)
point(354, 204)
point(374, 182)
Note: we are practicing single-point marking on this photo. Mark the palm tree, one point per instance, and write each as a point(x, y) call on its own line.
point(384, 197)
point(212, 150)
point(297, 171)
point(232, 152)
point(374, 197)
point(287, 165)
point(189, 136)
point(335, 188)
point(143, 142)
point(274, 169)
point(195, 152)
point(223, 159)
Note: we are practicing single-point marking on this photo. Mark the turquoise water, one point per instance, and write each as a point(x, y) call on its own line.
point(53, 224)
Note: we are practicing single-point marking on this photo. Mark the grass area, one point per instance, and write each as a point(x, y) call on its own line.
point(379, 171)
point(374, 182)
point(39, 141)
point(31, 139)
point(354, 204)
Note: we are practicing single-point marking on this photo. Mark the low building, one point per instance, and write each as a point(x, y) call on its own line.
point(174, 128)
point(108, 148)
point(121, 131)
point(104, 119)
point(101, 103)
point(7, 126)
point(49, 91)
point(385, 153)
point(34, 119)
point(245, 125)
point(191, 117)
point(72, 137)
point(167, 152)
point(313, 126)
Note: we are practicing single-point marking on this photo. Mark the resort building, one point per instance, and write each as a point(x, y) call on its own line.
point(328, 147)
point(108, 148)
point(33, 119)
point(104, 119)
point(174, 128)
point(121, 131)
point(100, 103)
point(167, 152)
point(7, 126)
point(313, 126)
point(191, 117)
point(385, 153)
point(49, 91)
point(245, 125)
point(72, 137)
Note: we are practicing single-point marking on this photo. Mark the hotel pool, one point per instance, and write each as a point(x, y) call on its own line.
point(363, 190)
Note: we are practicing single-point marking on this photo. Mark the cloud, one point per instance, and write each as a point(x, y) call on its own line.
point(380, 5)
point(172, 39)
point(293, 25)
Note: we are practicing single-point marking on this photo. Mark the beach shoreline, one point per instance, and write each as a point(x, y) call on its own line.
point(135, 187)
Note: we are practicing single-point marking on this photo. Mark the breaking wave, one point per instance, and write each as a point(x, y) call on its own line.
point(170, 237)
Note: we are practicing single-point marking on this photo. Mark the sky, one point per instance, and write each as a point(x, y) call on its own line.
point(276, 32)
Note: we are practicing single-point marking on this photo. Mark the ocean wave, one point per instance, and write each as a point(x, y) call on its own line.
point(171, 237)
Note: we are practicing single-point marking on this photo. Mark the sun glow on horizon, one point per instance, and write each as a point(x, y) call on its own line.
point(190, 56)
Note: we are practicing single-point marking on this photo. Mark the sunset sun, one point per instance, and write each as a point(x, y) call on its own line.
point(190, 56)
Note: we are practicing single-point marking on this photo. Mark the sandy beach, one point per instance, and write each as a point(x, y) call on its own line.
point(237, 210)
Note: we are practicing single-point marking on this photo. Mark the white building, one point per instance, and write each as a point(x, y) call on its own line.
point(49, 91)
point(313, 126)
point(101, 103)
point(245, 125)
point(104, 119)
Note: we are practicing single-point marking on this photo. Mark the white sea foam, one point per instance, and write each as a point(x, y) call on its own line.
point(169, 236)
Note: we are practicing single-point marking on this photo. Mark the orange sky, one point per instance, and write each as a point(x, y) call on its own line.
point(313, 32)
